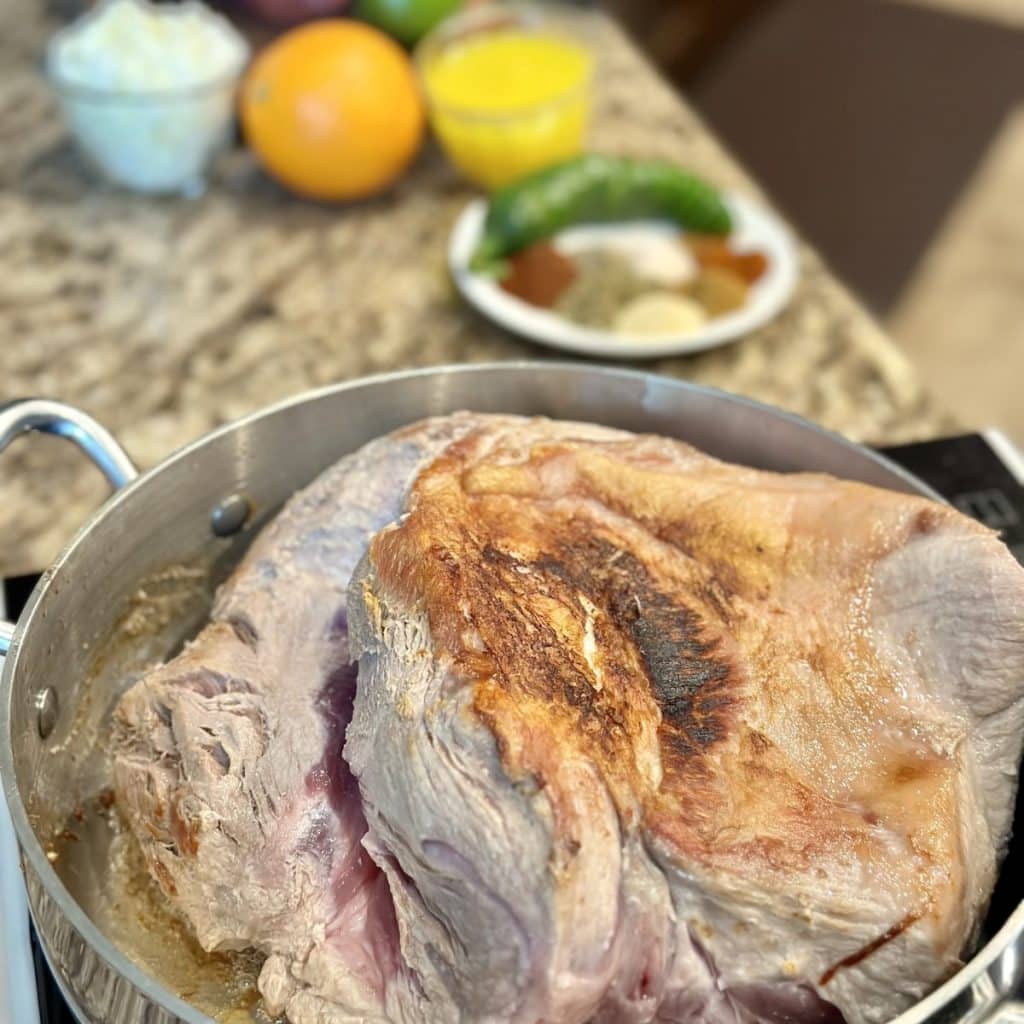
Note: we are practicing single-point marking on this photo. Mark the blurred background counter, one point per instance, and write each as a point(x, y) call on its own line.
point(164, 318)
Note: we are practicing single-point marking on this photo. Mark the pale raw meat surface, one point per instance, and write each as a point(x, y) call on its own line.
point(228, 758)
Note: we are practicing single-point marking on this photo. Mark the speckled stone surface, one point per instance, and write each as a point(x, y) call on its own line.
point(164, 318)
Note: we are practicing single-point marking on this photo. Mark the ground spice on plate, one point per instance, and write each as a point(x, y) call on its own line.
point(712, 251)
point(605, 282)
point(539, 275)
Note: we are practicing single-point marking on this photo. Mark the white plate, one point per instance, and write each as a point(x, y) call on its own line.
point(754, 227)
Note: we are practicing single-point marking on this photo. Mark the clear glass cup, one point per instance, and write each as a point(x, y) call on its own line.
point(158, 141)
point(498, 133)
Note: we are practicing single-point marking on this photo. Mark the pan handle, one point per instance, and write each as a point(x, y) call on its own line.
point(40, 414)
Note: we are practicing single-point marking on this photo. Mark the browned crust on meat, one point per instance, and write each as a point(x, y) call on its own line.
point(636, 606)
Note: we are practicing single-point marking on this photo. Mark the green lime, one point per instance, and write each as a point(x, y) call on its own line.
point(407, 20)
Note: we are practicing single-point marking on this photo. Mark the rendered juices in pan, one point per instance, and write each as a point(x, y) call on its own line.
point(507, 100)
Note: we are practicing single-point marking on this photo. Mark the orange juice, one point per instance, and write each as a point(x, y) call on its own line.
point(506, 101)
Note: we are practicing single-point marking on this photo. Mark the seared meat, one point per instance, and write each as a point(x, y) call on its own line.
point(637, 736)
point(643, 736)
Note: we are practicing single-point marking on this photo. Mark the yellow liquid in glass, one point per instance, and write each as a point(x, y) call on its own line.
point(508, 102)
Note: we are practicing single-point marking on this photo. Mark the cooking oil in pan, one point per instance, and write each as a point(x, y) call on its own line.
point(102, 866)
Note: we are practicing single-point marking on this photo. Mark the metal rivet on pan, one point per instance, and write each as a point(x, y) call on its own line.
point(47, 711)
point(229, 515)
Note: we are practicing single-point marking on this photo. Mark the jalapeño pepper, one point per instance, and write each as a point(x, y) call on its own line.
point(591, 189)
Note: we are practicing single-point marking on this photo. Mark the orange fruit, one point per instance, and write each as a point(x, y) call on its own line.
point(332, 110)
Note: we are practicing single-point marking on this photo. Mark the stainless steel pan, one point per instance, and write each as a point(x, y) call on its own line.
point(138, 577)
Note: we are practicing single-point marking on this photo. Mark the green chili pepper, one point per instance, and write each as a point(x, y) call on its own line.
point(591, 189)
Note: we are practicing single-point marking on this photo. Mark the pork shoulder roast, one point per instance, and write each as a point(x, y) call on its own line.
point(519, 721)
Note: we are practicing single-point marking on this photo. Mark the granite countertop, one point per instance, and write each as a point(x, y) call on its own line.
point(164, 318)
